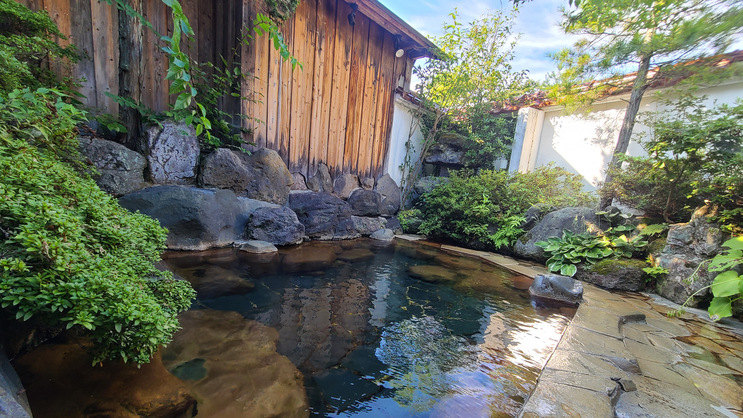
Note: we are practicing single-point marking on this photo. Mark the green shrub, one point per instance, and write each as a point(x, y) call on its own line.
point(694, 155)
point(410, 220)
point(26, 39)
point(488, 208)
point(69, 254)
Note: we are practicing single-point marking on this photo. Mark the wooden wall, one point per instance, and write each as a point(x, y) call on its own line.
point(336, 110)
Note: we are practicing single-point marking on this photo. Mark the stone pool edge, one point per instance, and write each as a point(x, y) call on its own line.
point(605, 353)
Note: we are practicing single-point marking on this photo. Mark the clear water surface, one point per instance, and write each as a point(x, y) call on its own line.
point(389, 329)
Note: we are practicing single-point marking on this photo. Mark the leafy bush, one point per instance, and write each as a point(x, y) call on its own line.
point(694, 155)
point(488, 208)
point(26, 39)
point(70, 255)
point(409, 220)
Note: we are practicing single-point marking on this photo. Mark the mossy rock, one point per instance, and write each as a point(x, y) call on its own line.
point(615, 274)
point(655, 247)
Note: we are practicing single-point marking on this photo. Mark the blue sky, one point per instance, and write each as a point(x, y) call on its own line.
point(537, 22)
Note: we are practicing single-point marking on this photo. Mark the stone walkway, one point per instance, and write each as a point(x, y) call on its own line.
point(622, 356)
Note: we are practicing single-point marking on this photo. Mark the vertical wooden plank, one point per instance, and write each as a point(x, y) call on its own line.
point(285, 93)
point(260, 95)
point(191, 10)
point(304, 34)
point(400, 67)
point(59, 12)
point(356, 93)
point(322, 84)
point(105, 57)
point(368, 117)
point(130, 57)
point(206, 37)
point(247, 65)
point(385, 97)
point(340, 88)
point(272, 99)
point(155, 62)
point(81, 35)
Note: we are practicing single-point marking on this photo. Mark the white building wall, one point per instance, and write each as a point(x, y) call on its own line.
point(402, 122)
point(583, 143)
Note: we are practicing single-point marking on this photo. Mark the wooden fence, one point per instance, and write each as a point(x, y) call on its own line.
point(337, 110)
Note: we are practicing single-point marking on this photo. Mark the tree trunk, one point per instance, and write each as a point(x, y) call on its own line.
point(625, 133)
point(638, 90)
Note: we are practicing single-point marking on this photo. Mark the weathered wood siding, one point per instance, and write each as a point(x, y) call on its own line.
point(337, 109)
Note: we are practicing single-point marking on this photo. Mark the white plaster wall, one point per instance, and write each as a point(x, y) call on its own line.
point(583, 143)
point(402, 121)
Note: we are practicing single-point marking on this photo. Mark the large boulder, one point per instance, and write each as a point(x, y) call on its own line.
point(279, 226)
point(534, 215)
point(262, 175)
point(13, 401)
point(575, 219)
point(426, 184)
point(172, 152)
point(324, 216)
point(365, 202)
point(448, 150)
point(557, 288)
point(615, 274)
point(366, 225)
point(688, 245)
point(321, 181)
point(345, 184)
point(120, 169)
point(196, 219)
point(391, 195)
point(62, 383)
point(232, 367)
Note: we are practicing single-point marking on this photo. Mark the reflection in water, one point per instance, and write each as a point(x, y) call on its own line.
point(375, 338)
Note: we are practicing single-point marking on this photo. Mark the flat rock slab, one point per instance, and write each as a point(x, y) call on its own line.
point(558, 288)
point(258, 247)
point(356, 255)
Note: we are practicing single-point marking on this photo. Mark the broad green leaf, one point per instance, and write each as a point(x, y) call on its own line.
point(735, 243)
point(726, 284)
point(720, 308)
point(569, 270)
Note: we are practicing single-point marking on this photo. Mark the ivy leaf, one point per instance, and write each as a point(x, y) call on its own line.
point(726, 284)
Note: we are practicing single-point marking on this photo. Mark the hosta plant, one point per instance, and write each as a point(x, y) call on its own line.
point(572, 249)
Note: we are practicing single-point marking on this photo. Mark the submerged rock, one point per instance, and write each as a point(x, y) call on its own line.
point(557, 288)
point(64, 384)
point(233, 368)
point(305, 259)
point(120, 169)
point(172, 152)
point(356, 255)
point(433, 274)
point(212, 281)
